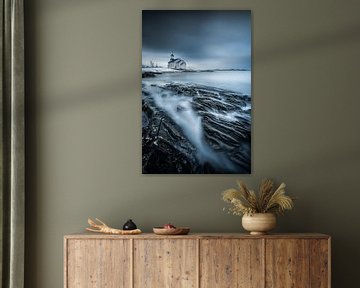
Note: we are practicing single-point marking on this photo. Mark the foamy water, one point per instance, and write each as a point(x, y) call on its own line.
point(237, 81)
point(180, 110)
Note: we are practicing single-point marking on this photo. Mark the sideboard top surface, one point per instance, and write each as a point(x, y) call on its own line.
point(87, 235)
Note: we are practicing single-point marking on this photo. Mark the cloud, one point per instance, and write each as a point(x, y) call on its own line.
point(209, 38)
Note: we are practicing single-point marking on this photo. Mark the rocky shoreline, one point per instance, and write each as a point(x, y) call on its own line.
point(224, 135)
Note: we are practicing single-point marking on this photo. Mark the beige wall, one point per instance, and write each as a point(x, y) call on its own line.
point(84, 129)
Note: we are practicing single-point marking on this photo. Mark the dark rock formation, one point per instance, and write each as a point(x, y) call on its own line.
point(149, 74)
point(226, 127)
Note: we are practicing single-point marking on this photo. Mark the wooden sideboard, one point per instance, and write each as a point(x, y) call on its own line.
point(197, 260)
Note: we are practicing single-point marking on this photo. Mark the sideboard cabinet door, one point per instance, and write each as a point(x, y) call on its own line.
point(231, 263)
point(320, 263)
point(98, 263)
point(297, 263)
point(165, 263)
point(287, 263)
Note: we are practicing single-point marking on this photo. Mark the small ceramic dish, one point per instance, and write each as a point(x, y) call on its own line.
point(171, 231)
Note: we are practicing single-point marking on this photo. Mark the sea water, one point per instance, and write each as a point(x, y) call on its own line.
point(236, 81)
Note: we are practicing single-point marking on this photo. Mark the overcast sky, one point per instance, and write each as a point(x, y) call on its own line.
point(204, 39)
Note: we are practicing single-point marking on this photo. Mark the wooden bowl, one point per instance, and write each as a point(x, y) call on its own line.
point(171, 231)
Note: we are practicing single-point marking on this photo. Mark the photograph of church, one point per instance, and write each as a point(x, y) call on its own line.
point(196, 105)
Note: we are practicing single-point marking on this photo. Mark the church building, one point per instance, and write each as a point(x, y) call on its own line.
point(176, 63)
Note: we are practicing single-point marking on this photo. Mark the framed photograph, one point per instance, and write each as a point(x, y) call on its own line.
point(196, 92)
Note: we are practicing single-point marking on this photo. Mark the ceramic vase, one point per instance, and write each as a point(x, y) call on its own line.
point(259, 223)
